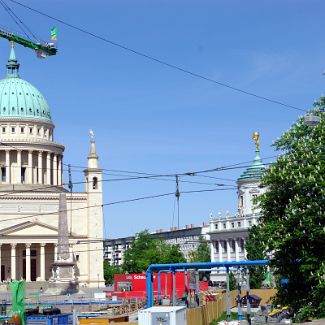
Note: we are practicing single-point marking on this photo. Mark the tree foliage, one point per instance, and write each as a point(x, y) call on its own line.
point(202, 252)
point(293, 220)
point(146, 250)
point(109, 271)
point(255, 248)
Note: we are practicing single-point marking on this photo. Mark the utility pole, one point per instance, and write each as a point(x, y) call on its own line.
point(177, 194)
point(70, 186)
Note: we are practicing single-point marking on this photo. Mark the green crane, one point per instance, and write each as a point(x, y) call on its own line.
point(42, 50)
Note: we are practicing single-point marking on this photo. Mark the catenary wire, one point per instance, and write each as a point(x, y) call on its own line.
point(13, 17)
point(22, 23)
point(117, 202)
point(159, 61)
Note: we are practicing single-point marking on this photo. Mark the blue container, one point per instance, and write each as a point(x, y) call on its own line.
point(61, 319)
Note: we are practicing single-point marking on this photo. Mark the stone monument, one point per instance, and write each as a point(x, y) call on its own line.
point(63, 279)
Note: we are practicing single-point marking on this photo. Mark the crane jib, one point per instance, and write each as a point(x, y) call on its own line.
point(45, 49)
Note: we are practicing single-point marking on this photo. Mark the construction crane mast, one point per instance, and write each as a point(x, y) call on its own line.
point(42, 50)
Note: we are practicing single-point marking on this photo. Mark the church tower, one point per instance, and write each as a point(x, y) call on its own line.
point(93, 175)
point(249, 183)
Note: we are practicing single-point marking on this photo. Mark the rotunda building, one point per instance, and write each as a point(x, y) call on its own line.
point(28, 156)
point(30, 184)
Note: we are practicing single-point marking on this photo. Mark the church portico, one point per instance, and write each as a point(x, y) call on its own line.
point(28, 261)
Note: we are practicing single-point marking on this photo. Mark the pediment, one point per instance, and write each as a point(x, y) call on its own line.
point(30, 228)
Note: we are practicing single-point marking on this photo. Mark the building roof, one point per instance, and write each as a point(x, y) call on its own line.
point(20, 99)
point(254, 172)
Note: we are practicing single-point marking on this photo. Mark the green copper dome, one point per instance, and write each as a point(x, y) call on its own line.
point(20, 99)
point(254, 172)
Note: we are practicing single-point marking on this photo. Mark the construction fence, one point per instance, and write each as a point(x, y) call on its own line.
point(205, 314)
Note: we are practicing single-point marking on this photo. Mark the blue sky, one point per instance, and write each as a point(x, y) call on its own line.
point(150, 118)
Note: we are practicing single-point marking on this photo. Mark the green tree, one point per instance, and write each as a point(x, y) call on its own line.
point(232, 281)
point(293, 215)
point(109, 271)
point(255, 248)
point(202, 252)
point(147, 250)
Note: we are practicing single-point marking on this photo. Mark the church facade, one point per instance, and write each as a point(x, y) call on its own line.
point(31, 167)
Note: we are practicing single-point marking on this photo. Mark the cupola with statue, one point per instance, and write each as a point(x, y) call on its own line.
point(249, 182)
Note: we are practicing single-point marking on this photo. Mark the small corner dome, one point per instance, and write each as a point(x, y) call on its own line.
point(19, 99)
point(254, 172)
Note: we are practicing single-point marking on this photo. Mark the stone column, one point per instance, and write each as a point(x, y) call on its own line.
point(212, 251)
point(18, 172)
point(40, 167)
point(28, 262)
point(42, 262)
point(60, 170)
point(48, 168)
point(13, 261)
point(8, 169)
point(55, 170)
point(220, 250)
point(228, 250)
point(237, 249)
point(30, 167)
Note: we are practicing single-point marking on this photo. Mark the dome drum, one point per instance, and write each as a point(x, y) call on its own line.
point(25, 130)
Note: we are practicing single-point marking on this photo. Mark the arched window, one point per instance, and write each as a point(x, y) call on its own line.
point(95, 183)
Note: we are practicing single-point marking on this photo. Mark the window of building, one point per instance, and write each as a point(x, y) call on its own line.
point(23, 175)
point(232, 246)
point(30, 130)
point(77, 258)
point(224, 247)
point(232, 225)
point(95, 183)
point(239, 224)
point(3, 174)
point(13, 130)
point(22, 130)
point(249, 223)
point(216, 226)
point(3, 130)
point(241, 200)
point(224, 226)
point(38, 131)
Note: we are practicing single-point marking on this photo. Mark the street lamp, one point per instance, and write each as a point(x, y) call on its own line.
point(311, 119)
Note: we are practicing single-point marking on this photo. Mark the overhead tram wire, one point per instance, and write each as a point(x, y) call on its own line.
point(120, 202)
point(7, 9)
point(191, 173)
point(159, 61)
point(22, 23)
